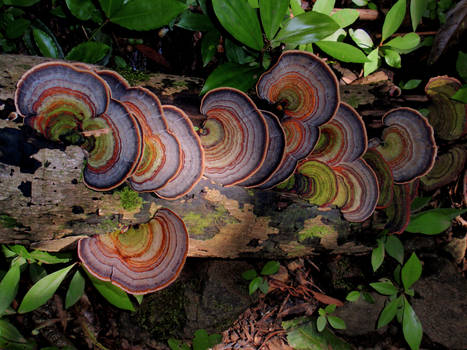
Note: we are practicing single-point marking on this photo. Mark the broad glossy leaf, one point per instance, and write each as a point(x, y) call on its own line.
point(296, 7)
point(461, 95)
point(461, 65)
point(209, 46)
point(81, 9)
point(240, 20)
point(345, 17)
point(411, 271)
point(235, 53)
point(336, 322)
point(389, 312)
point(9, 287)
point(361, 38)
point(43, 290)
point(254, 284)
point(306, 28)
point(338, 35)
point(50, 258)
point(377, 255)
point(324, 6)
point(393, 19)
point(270, 268)
point(111, 6)
point(89, 52)
point(17, 28)
point(434, 221)
point(385, 288)
point(195, 21)
point(321, 323)
point(394, 248)
point(238, 76)
point(353, 296)
point(249, 274)
point(406, 42)
point(411, 327)
point(75, 289)
point(12, 339)
point(22, 3)
point(342, 51)
point(147, 14)
point(112, 293)
point(392, 58)
point(417, 9)
point(272, 14)
point(45, 43)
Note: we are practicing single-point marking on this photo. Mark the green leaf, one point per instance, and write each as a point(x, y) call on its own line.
point(389, 312)
point(240, 20)
point(460, 95)
point(324, 6)
point(377, 255)
point(209, 46)
point(419, 202)
point(407, 42)
point(235, 53)
point(75, 290)
point(45, 43)
point(321, 312)
point(385, 288)
point(21, 251)
point(176, 344)
point(12, 339)
point(139, 298)
point(461, 65)
point(373, 64)
point(43, 290)
point(368, 297)
point(434, 221)
point(296, 6)
point(411, 84)
point(203, 341)
point(9, 287)
point(411, 271)
point(147, 14)
point(195, 21)
point(81, 9)
point(89, 52)
point(329, 309)
point(22, 3)
point(360, 3)
point(306, 28)
point(17, 28)
point(8, 252)
point(48, 258)
point(417, 9)
point(393, 19)
point(336, 322)
point(110, 6)
point(270, 268)
point(394, 248)
point(397, 274)
point(392, 58)
point(345, 17)
point(249, 274)
point(254, 284)
point(36, 272)
point(321, 323)
point(112, 293)
point(411, 327)
point(254, 3)
point(338, 35)
point(264, 286)
point(361, 38)
point(272, 13)
point(241, 77)
point(353, 295)
point(342, 51)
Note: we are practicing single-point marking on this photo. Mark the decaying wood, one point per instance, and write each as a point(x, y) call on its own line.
point(44, 203)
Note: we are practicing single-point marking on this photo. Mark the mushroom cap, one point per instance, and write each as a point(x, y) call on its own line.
point(275, 152)
point(300, 139)
point(409, 146)
point(342, 139)
point(305, 84)
point(398, 213)
point(143, 259)
point(448, 117)
point(234, 136)
point(384, 175)
point(192, 168)
point(114, 153)
point(360, 187)
point(161, 156)
point(117, 84)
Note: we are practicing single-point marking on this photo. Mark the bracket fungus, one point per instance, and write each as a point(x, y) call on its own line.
point(142, 259)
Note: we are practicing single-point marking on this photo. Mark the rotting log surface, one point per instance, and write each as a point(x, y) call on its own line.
point(44, 203)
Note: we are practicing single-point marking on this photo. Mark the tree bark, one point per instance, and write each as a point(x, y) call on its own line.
point(44, 203)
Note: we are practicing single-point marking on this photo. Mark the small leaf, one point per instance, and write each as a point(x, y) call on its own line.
point(9, 253)
point(411, 271)
point(321, 323)
point(306, 28)
point(393, 19)
point(17, 28)
point(345, 17)
point(336, 322)
point(373, 64)
point(330, 308)
point(407, 42)
point(201, 340)
point(249, 274)
point(21, 251)
point(176, 344)
point(392, 58)
point(461, 65)
point(240, 20)
point(254, 284)
point(389, 312)
point(209, 46)
point(353, 295)
point(45, 43)
point(139, 298)
point(48, 258)
point(81, 9)
point(270, 268)
point(75, 290)
point(360, 3)
point(411, 327)
point(12, 339)
point(323, 6)
point(43, 290)
point(342, 51)
point(88, 52)
point(272, 14)
point(394, 248)
point(361, 38)
point(9, 287)
point(460, 95)
point(417, 9)
point(397, 274)
point(195, 21)
point(411, 84)
point(368, 297)
point(385, 288)
point(264, 286)
point(377, 255)
point(433, 221)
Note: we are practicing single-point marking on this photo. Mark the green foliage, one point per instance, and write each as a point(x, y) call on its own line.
point(417, 9)
point(393, 19)
point(88, 52)
point(325, 317)
point(409, 85)
point(75, 290)
point(9, 287)
point(12, 339)
point(238, 76)
point(129, 199)
point(259, 282)
point(202, 340)
point(342, 51)
point(433, 221)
